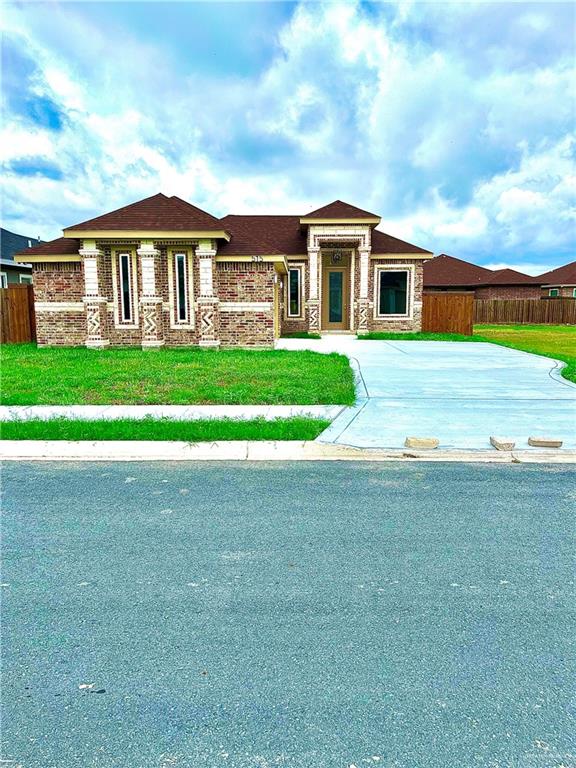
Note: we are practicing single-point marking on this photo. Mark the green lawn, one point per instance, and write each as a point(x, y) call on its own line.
point(557, 341)
point(297, 428)
point(75, 375)
point(398, 336)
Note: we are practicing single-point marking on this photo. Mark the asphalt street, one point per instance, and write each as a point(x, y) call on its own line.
point(306, 615)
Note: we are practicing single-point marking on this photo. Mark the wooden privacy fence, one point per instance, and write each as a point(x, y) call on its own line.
point(17, 321)
point(517, 311)
point(448, 313)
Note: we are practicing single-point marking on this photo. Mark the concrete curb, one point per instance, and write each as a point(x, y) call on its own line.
point(242, 450)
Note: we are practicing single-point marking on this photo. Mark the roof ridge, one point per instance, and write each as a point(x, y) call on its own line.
point(185, 204)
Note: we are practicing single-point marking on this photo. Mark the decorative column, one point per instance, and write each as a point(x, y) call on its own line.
point(313, 300)
point(208, 303)
point(95, 306)
point(150, 302)
point(364, 253)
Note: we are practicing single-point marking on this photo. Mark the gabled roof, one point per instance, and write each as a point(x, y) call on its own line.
point(510, 277)
point(565, 275)
point(11, 243)
point(447, 270)
point(153, 213)
point(254, 235)
point(62, 246)
point(341, 211)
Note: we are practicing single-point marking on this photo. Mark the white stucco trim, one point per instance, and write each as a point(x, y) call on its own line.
point(59, 306)
point(245, 306)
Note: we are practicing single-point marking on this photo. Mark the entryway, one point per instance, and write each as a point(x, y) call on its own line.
point(335, 314)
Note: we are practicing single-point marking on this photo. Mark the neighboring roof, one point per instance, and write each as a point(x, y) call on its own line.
point(11, 243)
point(11, 264)
point(338, 209)
point(565, 275)
point(510, 277)
point(153, 213)
point(447, 270)
point(62, 246)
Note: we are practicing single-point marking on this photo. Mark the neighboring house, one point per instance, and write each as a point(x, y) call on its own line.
point(161, 271)
point(559, 283)
point(10, 271)
point(447, 273)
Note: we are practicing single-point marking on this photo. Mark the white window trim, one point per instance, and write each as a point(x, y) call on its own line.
point(3, 280)
point(410, 282)
point(27, 279)
point(175, 323)
point(553, 295)
point(300, 269)
point(118, 321)
point(574, 293)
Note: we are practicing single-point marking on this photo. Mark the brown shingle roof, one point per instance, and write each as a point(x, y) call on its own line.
point(565, 275)
point(383, 243)
point(154, 213)
point(60, 247)
point(447, 270)
point(253, 235)
point(263, 234)
point(340, 210)
point(510, 277)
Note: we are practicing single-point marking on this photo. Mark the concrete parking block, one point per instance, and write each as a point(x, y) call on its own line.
point(502, 443)
point(544, 442)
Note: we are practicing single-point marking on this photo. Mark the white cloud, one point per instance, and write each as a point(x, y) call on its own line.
point(454, 128)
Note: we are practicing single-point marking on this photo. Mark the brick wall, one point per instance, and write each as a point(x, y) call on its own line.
point(59, 282)
point(247, 282)
point(508, 292)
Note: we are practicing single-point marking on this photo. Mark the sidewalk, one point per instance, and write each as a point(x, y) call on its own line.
point(176, 412)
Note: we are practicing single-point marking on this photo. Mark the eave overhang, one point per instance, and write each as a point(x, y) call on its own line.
point(154, 234)
point(372, 221)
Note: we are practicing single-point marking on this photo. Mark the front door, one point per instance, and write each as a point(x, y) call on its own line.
point(335, 299)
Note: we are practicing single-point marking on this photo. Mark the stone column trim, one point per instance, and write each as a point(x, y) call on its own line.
point(150, 302)
point(208, 303)
point(95, 306)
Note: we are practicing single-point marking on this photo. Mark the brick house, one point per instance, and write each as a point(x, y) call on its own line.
point(559, 283)
point(447, 273)
point(162, 271)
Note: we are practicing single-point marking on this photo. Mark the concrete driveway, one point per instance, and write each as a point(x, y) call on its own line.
point(459, 392)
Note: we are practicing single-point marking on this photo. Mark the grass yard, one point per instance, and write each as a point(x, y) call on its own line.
point(557, 341)
point(75, 375)
point(396, 336)
point(296, 428)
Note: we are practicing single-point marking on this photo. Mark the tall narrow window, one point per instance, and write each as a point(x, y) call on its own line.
point(294, 293)
point(125, 287)
point(180, 269)
point(392, 296)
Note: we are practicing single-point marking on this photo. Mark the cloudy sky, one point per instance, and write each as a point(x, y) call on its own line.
point(455, 122)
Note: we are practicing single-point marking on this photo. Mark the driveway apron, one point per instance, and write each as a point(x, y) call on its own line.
point(459, 392)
